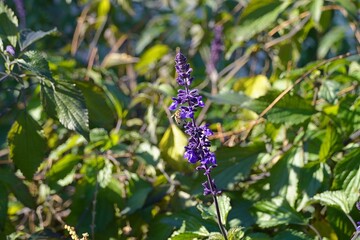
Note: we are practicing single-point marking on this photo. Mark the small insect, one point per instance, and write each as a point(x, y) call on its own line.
point(177, 117)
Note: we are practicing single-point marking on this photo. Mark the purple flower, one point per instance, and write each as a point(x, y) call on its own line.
point(215, 49)
point(10, 50)
point(188, 101)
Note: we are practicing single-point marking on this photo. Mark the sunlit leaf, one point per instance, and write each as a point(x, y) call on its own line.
point(115, 59)
point(328, 41)
point(27, 37)
point(26, 144)
point(8, 24)
point(329, 144)
point(150, 57)
point(253, 87)
point(336, 199)
point(211, 213)
point(172, 147)
point(316, 9)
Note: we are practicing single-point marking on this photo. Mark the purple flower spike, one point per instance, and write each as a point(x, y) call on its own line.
point(216, 48)
point(10, 50)
point(188, 101)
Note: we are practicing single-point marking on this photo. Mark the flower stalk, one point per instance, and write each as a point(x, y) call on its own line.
point(198, 147)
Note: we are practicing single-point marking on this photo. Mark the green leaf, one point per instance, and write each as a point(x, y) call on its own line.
point(17, 187)
point(34, 62)
point(101, 114)
point(26, 144)
point(316, 10)
point(69, 104)
point(235, 164)
point(138, 191)
point(336, 199)
point(62, 168)
point(290, 110)
point(285, 175)
point(292, 235)
point(147, 36)
point(347, 175)
point(186, 236)
point(235, 233)
point(257, 16)
point(328, 41)
point(329, 144)
point(8, 24)
point(3, 205)
point(254, 87)
point(27, 37)
point(172, 147)
point(329, 90)
point(150, 57)
point(210, 212)
point(277, 212)
point(232, 98)
point(116, 59)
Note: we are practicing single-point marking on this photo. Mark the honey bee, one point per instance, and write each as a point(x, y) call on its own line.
point(177, 117)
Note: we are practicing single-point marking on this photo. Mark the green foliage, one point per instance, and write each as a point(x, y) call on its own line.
point(87, 139)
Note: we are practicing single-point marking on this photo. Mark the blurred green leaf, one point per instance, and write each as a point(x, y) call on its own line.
point(258, 16)
point(27, 37)
point(237, 99)
point(3, 205)
point(116, 59)
point(147, 36)
point(328, 41)
point(62, 168)
point(26, 144)
point(17, 187)
point(8, 24)
point(149, 58)
point(329, 90)
point(253, 87)
point(172, 147)
point(316, 9)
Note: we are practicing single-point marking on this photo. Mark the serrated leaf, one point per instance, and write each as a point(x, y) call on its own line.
point(237, 99)
point(69, 104)
point(277, 212)
point(26, 144)
point(8, 24)
point(329, 144)
point(292, 235)
point(210, 212)
point(101, 114)
point(17, 187)
point(34, 62)
point(27, 37)
point(172, 147)
point(235, 233)
point(336, 199)
point(347, 175)
point(257, 16)
point(290, 110)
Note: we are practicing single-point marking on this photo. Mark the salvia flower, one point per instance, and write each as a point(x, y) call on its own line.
point(187, 102)
point(10, 50)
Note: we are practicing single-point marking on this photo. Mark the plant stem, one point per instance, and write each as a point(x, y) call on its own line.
point(213, 191)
